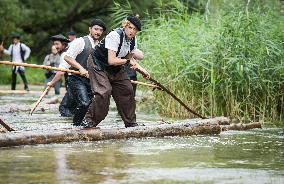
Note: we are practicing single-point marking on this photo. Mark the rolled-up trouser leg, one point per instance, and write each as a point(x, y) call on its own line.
point(122, 92)
point(81, 90)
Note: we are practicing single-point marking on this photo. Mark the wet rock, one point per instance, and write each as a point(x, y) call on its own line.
point(53, 100)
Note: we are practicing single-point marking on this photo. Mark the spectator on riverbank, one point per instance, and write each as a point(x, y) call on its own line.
point(72, 35)
point(53, 60)
point(19, 53)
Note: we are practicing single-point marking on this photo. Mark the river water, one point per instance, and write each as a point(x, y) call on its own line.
point(255, 156)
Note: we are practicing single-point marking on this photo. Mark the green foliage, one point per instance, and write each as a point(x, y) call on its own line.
point(231, 65)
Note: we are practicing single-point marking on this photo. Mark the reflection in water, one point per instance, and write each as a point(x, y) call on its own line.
point(63, 173)
point(233, 157)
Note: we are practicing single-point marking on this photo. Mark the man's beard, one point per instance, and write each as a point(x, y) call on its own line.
point(94, 38)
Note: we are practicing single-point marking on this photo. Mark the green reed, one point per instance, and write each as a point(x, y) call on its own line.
point(230, 64)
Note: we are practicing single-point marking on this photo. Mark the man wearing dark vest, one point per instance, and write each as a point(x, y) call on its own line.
point(67, 104)
point(108, 77)
point(77, 56)
point(19, 53)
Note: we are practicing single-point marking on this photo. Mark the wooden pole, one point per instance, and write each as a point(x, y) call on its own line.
point(40, 66)
point(63, 70)
point(145, 84)
point(39, 100)
point(6, 126)
point(171, 94)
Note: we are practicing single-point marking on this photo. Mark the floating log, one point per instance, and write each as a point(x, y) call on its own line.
point(241, 126)
point(185, 128)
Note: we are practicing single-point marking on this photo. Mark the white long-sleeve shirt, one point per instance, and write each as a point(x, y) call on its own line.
point(16, 55)
point(63, 63)
point(77, 46)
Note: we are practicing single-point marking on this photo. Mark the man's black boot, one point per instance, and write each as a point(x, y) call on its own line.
point(87, 124)
point(131, 125)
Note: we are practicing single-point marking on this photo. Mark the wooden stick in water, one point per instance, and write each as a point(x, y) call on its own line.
point(6, 126)
point(171, 94)
point(39, 100)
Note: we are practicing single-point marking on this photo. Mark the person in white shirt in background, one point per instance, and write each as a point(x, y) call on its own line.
point(72, 35)
point(19, 53)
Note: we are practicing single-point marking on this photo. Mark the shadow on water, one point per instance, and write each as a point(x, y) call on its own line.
point(232, 157)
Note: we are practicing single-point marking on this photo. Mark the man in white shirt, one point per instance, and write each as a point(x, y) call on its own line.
point(77, 56)
point(108, 77)
point(19, 53)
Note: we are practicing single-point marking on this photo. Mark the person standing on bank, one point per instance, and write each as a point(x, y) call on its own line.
point(72, 35)
point(108, 77)
point(53, 60)
point(77, 56)
point(19, 53)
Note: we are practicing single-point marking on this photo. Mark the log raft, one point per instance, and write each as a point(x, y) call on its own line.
point(211, 126)
point(191, 127)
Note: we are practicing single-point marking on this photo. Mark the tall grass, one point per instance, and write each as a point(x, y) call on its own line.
point(231, 64)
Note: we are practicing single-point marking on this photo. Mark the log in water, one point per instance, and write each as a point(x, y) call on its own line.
point(185, 128)
point(241, 126)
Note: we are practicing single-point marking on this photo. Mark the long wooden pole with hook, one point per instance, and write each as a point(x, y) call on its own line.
point(171, 94)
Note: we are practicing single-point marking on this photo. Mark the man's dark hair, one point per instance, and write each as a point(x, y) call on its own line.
point(60, 38)
point(16, 35)
point(98, 22)
point(72, 33)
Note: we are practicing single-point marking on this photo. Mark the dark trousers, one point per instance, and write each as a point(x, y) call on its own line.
point(68, 104)
point(134, 85)
point(82, 93)
point(105, 84)
point(14, 78)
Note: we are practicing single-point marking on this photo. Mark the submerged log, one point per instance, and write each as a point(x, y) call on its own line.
point(241, 126)
point(191, 127)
